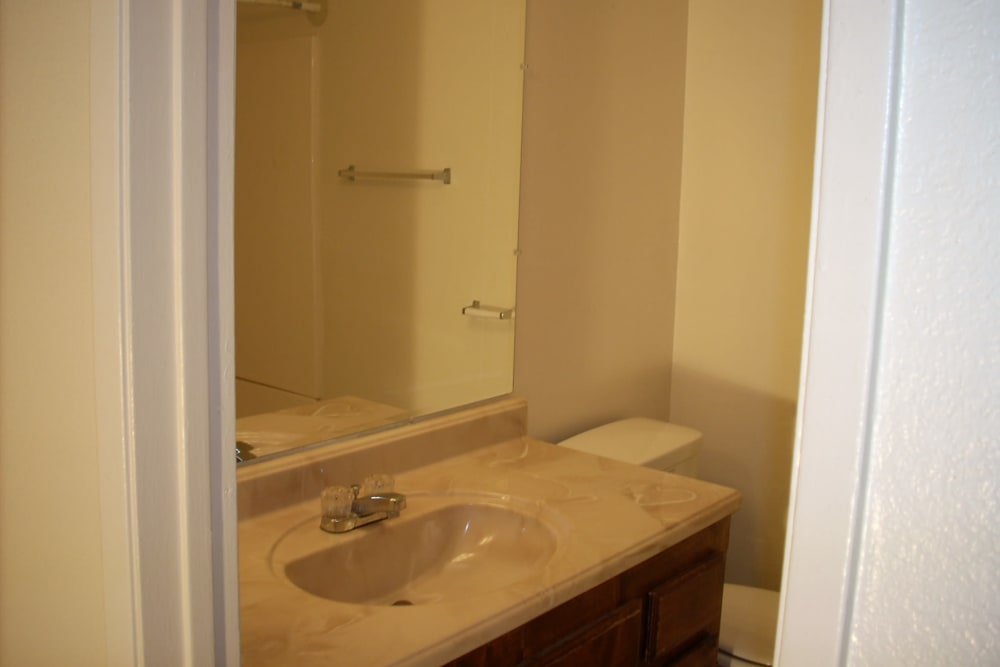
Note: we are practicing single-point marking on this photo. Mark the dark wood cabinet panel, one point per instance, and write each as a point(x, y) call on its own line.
point(614, 641)
point(677, 559)
point(566, 620)
point(664, 611)
point(701, 654)
point(685, 610)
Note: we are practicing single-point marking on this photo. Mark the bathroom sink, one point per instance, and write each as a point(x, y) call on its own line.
point(449, 552)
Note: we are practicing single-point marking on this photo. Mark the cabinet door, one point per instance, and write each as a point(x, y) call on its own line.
point(705, 653)
point(611, 642)
point(684, 612)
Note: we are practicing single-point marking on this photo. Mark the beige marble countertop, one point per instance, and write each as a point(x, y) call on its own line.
point(279, 431)
point(607, 516)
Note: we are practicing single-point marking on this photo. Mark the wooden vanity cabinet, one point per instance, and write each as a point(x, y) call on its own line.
point(664, 611)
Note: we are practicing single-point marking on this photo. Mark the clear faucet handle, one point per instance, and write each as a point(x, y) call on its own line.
point(335, 501)
point(377, 484)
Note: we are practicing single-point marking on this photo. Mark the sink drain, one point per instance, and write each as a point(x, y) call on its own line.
point(402, 603)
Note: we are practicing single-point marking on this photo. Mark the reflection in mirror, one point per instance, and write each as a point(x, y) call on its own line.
point(352, 291)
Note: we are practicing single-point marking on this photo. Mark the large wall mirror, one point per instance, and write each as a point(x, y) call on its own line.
point(377, 177)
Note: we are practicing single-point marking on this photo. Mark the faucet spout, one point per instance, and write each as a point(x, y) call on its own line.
point(390, 503)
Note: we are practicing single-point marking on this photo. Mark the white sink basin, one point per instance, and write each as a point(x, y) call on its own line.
point(448, 552)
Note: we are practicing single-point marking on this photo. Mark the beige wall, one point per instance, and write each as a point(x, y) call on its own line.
point(357, 288)
point(611, 94)
point(277, 297)
point(603, 119)
point(405, 86)
point(51, 571)
point(750, 106)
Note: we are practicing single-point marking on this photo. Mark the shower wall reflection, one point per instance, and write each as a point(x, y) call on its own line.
point(349, 294)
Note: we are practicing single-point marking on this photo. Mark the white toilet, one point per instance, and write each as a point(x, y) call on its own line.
point(749, 615)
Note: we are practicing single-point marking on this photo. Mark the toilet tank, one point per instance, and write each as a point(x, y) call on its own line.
point(645, 442)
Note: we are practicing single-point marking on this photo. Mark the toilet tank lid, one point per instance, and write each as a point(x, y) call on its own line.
point(640, 441)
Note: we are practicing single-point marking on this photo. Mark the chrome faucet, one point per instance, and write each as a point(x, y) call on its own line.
point(348, 507)
point(387, 503)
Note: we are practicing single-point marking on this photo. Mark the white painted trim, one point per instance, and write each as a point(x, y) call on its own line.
point(222, 327)
point(162, 123)
point(852, 183)
point(123, 625)
point(189, 224)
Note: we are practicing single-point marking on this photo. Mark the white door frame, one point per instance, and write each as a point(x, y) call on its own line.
point(851, 205)
point(162, 128)
point(162, 111)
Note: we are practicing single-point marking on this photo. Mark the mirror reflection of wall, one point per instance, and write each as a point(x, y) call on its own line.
point(349, 293)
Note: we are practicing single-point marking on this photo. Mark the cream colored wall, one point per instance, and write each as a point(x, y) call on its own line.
point(750, 105)
point(51, 567)
point(278, 301)
point(603, 119)
point(357, 288)
point(419, 86)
